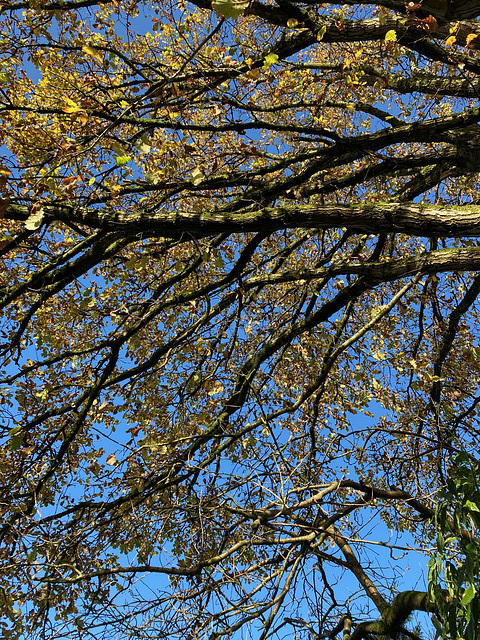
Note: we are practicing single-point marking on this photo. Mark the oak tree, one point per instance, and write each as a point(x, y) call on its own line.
point(239, 343)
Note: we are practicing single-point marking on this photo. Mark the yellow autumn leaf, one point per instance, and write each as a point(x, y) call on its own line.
point(74, 109)
point(71, 106)
point(94, 53)
point(470, 38)
point(450, 40)
point(391, 36)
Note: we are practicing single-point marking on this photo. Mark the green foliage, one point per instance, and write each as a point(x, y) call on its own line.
point(454, 569)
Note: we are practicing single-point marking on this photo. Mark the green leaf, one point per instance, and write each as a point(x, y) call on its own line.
point(468, 595)
point(32, 555)
point(321, 33)
point(269, 60)
point(152, 178)
point(440, 542)
point(79, 622)
point(230, 8)
point(122, 160)
point(471, 506)
point(15, 430)
point(16, 442)
point(142, 144)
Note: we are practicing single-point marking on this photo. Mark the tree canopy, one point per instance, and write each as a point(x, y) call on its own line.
point(239, 342)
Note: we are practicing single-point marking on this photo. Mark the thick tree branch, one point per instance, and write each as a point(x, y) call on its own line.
point(371, 218)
